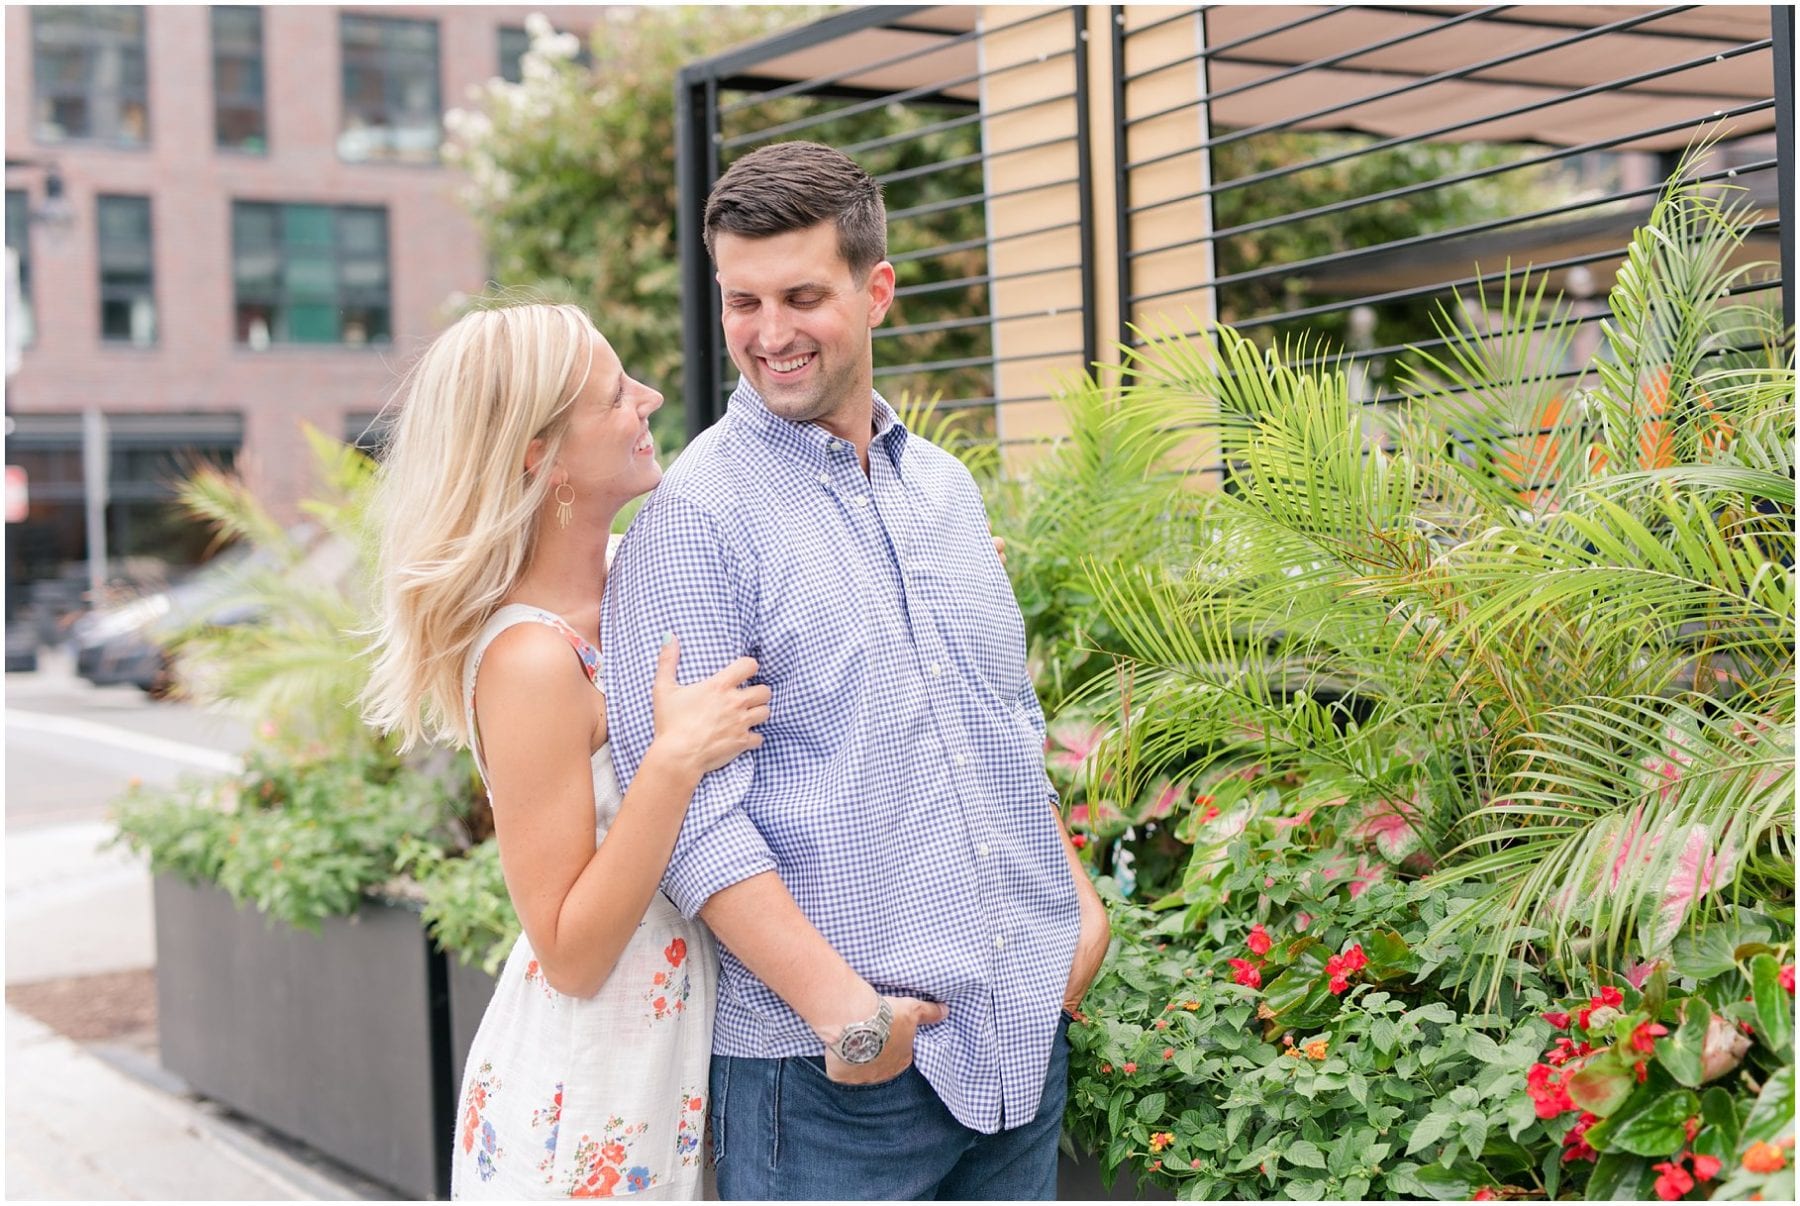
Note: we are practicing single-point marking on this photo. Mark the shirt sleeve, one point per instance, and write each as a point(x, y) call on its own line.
point(676, 573)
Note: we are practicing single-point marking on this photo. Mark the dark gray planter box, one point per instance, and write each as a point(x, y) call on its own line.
point(470, 991)
point(338, 1039)
point(1078, 1180)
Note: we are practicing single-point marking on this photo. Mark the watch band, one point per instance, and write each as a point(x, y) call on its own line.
point(862, 1042)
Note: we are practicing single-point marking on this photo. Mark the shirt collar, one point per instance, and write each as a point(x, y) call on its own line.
point(808, 441)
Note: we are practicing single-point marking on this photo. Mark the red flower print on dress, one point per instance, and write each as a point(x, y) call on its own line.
point(675, 952)
point(477, 1129)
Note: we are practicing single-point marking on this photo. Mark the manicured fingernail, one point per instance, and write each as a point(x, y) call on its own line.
point(667, 637)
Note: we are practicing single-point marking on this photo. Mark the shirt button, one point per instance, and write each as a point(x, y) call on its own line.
point(824, 479)
point(982, 850)
point(999, 942)
point(963, 760)
point(861, 500)
point(935, 669)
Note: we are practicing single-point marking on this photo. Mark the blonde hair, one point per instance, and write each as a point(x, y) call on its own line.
point(456, 511)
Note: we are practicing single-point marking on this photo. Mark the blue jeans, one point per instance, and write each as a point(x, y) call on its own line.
point(783, 1131)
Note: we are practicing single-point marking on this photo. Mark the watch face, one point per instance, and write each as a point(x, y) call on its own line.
point(861, 1044)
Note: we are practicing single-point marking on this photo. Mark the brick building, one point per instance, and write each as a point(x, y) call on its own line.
point(229, 221)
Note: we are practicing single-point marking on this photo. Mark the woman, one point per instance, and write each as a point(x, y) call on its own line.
point(521, 436)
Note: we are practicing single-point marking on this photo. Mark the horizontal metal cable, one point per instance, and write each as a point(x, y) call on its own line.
point(1423, 291)
point(1340, 57)
point(944, 366)
point(824, 81)
point(991, 278)
point(944, 127)
point(961, 161)
point(978, 320)
point(883, 102)
point(1467, 177)
point(1255, 36)
point(1293, 120)
point(926, 253)
point(933, 207)
point(1442, 236)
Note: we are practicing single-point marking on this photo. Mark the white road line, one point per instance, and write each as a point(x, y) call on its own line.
point(140, 743)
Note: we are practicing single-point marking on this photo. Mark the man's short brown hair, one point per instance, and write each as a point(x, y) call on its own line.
point(789, 186)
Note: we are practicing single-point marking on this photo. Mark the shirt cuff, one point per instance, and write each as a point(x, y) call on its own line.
point(728, 853)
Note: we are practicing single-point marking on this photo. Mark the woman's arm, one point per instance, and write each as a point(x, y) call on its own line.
point(539, 718)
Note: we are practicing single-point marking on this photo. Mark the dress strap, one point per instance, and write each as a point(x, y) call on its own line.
point(511, 615)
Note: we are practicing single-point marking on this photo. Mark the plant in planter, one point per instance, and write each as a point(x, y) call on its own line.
point(1485, 698)
point(1558, 664)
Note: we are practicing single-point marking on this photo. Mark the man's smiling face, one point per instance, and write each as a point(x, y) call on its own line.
point(797, 321)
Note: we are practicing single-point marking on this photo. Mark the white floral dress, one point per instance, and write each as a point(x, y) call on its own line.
point(570, 1097)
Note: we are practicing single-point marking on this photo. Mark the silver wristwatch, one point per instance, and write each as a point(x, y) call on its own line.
point(863, 1042)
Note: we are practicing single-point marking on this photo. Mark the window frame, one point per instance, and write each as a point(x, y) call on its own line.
point(22, 244)
point(241, 101)
point(110, 293)
point(97, 37)
point(384, 150)
point(278, 299)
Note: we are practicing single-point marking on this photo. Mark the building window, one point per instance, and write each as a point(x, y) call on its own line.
point(391, 105)
point(310, 273)
point(18, 241)
point(239, 121)
point(514, 42)
point(89, 76)
point(127, 270)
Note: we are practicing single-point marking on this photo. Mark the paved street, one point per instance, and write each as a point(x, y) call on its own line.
point(103, 1121)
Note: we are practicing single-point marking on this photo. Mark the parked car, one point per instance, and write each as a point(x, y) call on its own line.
point(124, 643)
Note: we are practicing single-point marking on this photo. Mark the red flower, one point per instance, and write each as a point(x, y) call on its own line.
point(1558, 1020)
point(1643, 1039)
point(1484, 1194)
point(1691, 1127)
point(1566, 1050)
point(1339, 967)
point(1338, 984)
point(1168, 1053)
point(1259, 941)
point(1078, 840)
point(1607, 997)
point(695, 1103)
point(675, 952)
point(1131, 1069)
point(1211, 813)
point(1673, 1182)
point(1245, 973)
point(1787, 978)
point(1575, 1144)
point(1706, 1167)
point(1106, 1069)
point(1544, 1085)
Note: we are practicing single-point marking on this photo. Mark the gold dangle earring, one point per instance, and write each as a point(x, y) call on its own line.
point(565, 507)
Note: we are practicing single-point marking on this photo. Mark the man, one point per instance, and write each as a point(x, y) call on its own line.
point(900, 911)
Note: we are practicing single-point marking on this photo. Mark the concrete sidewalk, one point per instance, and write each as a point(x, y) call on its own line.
point(78, 1128)
point(103, 1122)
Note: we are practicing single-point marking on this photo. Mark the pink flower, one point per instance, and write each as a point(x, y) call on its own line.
point(1558, 1020)
point(1607, 998)
point(1245, 972)
point(1786, 977)
point(1544, 1085)
point(1575, 1144)
point(1637, 976)
point(1166, 800)
point(1673, 1182)
point(1366, 873)
point(1706, 1167)
point(1392, 827)
point(1643, 1039)
point(1259, 941)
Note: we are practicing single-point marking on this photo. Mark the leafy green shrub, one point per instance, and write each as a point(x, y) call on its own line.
point(299, 841)
point(1308, 1040)
point(1663, 1090)
point(466, 907)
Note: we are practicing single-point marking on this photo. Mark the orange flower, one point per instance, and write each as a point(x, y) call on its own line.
point(1316, 1049)
point(613, 1153)
point(1764, 1158)
point(695, 1103)
point(659, 978)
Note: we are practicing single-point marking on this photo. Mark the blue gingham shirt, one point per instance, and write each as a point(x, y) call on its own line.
point(900, 792)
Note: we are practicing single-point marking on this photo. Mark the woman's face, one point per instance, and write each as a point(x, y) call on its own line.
point(607, 453)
